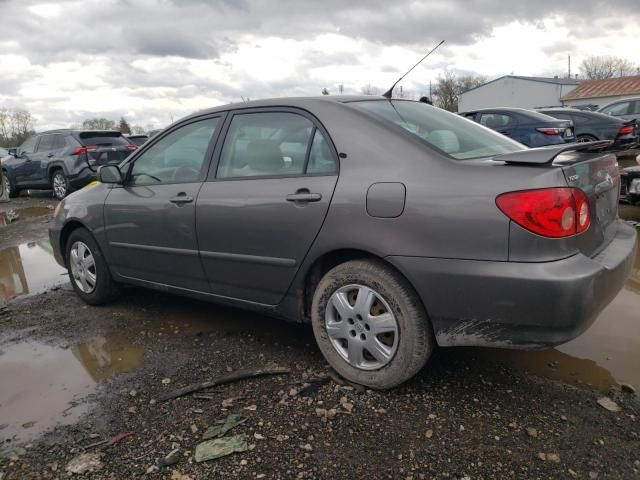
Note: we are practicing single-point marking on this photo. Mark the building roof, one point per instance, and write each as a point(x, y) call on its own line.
point(554, 80)
point(610, 87)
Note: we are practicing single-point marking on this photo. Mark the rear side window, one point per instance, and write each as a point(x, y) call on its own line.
point(635, 108)
point(107, 139)
point(448, 132)
point(271, 144)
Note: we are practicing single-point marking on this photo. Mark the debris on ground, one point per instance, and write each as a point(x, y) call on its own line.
point(229, 378)
point(532, 432)
point(11, 453)
point(312, 385)
point(336, 378)
point(220, 447)
point(85, 462)
point(608, 404)
point(232, 420)
point(171, 458)
point(627, 388)
point(549, 457)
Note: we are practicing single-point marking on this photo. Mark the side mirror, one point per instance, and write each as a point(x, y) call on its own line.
point(109, 174)
point(13, 152)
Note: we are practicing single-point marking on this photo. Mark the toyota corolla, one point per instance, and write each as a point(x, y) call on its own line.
point(391, 226)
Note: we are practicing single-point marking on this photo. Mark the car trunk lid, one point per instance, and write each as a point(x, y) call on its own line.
point(587, 167)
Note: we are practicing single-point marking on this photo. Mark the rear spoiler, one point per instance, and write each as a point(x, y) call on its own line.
point(542, 155)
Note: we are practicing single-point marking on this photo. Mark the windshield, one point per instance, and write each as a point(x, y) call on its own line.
point(458, 137)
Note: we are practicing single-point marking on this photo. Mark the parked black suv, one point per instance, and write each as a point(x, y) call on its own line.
point(63, 160)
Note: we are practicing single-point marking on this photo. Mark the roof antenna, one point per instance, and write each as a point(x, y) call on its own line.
point(388, 93)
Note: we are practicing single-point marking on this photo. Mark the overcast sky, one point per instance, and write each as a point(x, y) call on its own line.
point(157, 60)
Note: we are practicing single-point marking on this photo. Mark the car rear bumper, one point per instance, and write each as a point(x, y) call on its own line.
point(519, 305)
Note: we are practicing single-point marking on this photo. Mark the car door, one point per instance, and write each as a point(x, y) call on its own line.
point(150, 219)
point(37, 174)
point(262, 207)
point(23, 166)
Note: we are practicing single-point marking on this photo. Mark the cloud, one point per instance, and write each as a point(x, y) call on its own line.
point(154, 60)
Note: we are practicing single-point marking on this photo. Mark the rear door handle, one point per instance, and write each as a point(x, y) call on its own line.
point(181, 199)
point(50, 155)
point(304, 196)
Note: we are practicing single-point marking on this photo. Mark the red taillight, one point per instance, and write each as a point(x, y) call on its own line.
point(626, 130)
point(132, 147)
point(550, 212)
point(550, 131)
point(81, 150)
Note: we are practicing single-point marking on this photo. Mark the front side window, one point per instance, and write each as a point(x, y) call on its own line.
point(617, 109)
point(266, 144)
point(178, 157)
point(29, 145)
point(450, 133)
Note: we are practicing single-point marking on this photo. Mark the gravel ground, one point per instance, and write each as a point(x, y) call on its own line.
point(463, 416)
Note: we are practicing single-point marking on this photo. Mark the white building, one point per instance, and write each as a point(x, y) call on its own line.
point(603, 92)
point(515, 91)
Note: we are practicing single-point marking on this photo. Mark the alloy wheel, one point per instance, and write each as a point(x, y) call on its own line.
point(83, 267)
point(59, 185)
point(361, 327)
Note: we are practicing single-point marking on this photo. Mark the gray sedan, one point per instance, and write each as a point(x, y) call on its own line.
point(390, 225)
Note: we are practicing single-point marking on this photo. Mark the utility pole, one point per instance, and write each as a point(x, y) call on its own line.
point(569, 76)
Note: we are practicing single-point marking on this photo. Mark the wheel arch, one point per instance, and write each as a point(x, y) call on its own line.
point(328, 260)
point(55, 166)
point(65, 233)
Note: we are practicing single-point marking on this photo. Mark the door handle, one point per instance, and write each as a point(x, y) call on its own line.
point(181, 199)
point(50, 155)
point(304, 195)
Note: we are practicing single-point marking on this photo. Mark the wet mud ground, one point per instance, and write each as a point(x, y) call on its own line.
point(72, 376)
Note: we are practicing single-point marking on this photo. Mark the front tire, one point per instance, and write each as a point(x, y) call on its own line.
point(9, 187)
point(59, 184)
point(88, 271)
point(370, 324)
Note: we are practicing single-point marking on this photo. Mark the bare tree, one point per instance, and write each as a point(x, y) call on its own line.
point(450, 86)
point(369, 89)
point(325, 91)
point(598, 68)
point(5, 128)
point(99, 124)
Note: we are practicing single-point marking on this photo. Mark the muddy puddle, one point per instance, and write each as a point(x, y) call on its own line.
point(606, 354)
point(45, 386)
point(25, 213)
point(28, 268)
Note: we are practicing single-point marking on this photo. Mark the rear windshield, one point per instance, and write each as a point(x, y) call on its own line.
point(454, 135)
point(103, 138)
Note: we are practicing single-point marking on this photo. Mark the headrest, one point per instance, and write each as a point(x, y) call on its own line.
point(265, 156)
point(445, 140)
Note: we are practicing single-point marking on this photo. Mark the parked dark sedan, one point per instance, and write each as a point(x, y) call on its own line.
point(62, 160)
point(591, 126)
point(528, 127)
point(390, 225)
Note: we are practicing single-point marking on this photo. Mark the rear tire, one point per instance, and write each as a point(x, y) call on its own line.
point(586, 138)
point(59, 184)
point(88, 271)
point(380, 340)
